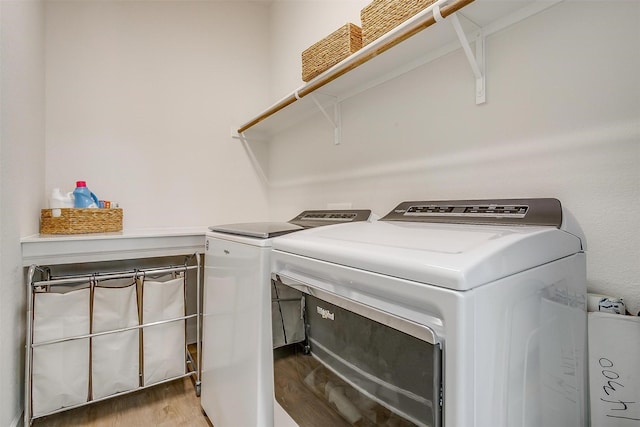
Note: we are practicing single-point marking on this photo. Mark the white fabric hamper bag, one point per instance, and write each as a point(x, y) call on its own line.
point(163, 345)
point(60, 374)
point(115, 357)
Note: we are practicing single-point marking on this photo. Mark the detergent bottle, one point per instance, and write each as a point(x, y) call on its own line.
point(83, 197)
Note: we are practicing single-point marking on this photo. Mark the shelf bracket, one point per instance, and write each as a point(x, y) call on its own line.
point(476, 61)
point(336, 121)
point(254, 161)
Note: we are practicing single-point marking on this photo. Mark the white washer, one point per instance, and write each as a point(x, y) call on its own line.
point(493, 291)
point(237, 378)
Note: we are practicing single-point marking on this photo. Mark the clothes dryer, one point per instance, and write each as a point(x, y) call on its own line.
point(237, 379)
point(445, 313)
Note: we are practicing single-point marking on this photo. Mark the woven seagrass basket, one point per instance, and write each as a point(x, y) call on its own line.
point(330, 50)
point(79, 221)
point(381, 16)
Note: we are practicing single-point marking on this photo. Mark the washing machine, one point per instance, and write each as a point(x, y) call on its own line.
point(237, 379)
point(460, 313)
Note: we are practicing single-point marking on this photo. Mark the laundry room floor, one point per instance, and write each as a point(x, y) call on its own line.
point(167, 405)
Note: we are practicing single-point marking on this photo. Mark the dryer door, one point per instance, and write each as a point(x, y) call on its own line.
point(356, 365)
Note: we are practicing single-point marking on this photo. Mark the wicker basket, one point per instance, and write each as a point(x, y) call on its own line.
point(330, 50)
point(381, 16)
point(79, 221)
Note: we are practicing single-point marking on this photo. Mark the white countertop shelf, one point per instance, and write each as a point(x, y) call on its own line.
point(417, 41)
point(128, 244)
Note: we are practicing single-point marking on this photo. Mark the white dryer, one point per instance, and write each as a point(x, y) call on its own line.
point(237, 379)
point(445, 313)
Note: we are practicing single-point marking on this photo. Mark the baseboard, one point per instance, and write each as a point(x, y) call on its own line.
point(17, 421)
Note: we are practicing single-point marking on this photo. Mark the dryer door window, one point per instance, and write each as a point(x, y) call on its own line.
point(351, 368)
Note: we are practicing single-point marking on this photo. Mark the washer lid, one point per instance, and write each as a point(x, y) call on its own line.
point(306, 219)
point(454, 256)
point(259, 230)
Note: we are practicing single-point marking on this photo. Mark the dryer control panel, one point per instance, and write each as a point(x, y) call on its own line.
point(492, 211)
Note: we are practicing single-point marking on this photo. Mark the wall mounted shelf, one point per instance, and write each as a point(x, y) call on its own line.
point(127, 244)
point(417, 41)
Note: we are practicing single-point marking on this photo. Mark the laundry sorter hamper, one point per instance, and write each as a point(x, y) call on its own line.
point(91, 337)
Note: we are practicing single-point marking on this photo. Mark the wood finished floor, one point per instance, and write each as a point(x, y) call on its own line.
point(172, 404)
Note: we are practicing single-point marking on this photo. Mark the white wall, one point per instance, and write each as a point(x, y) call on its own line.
point(21, 181)
point(141, 100)
point(562, 119)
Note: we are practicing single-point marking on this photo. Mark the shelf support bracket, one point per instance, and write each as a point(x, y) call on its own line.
point(254, 161)
point(336, 121)
point(476, 61)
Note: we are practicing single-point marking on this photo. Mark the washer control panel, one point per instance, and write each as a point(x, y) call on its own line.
point(310, 219)
point(492, 211)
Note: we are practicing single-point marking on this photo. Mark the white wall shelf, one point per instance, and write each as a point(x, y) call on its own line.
point(417, 41)
point(128, 244)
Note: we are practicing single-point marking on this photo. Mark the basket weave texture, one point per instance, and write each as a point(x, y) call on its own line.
point(330, 50)
point(79, 221)
point(381, 16)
